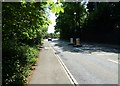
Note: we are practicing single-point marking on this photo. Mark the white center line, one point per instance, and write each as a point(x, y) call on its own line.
point(113, 61)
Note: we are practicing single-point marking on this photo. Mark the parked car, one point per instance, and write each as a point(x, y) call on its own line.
point(49, 39)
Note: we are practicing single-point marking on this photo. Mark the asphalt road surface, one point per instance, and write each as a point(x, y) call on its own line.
point(90, 64)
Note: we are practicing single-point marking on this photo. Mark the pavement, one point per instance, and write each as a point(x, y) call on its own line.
point(49, 69)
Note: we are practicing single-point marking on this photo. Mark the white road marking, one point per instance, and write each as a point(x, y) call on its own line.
point(70, 76)
point(103, 53)
point(113, 61)
point(46, 48)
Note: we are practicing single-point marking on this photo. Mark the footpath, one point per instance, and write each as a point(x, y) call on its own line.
point(48, 69)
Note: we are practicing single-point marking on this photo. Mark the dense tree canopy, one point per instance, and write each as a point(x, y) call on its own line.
point(103, 22)
point(24, 25)
point(97, 22)
point(24, 21)
point(73, 18)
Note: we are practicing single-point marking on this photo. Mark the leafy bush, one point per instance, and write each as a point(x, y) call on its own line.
point(24, 24)
point(17, 61)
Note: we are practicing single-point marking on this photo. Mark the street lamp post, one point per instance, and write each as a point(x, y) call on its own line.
point(77, 29)
point(72, 38)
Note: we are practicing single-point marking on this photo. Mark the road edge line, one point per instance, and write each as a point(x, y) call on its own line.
point(69, 75)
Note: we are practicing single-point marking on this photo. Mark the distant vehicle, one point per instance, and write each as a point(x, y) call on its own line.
point(49, 39)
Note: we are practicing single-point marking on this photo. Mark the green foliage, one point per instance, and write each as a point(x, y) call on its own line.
point(55, 7)
point(24, 24)
point(102, 21)
point(53, 35)
point(104, 16)
point(96, 20)
point(26, 21)
point(17, 61)
point(68, 21)
point(31, 54)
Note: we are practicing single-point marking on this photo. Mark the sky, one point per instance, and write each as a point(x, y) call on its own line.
point(51, 26)
point(52, 18)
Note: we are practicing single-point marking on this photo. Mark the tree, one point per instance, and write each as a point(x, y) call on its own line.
point(66, 22)
point(26, 21)
point(101, 22)
point(23, 27)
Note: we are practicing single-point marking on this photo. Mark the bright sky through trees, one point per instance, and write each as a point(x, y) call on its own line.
point(51, 26)
point(52, 18)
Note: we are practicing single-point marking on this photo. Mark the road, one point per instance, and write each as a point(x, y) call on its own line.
point(89, 64)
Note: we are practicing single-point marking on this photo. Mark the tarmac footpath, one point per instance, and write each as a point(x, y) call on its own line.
point(49, 69)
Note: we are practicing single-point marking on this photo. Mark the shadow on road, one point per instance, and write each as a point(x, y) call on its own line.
point(86, 47)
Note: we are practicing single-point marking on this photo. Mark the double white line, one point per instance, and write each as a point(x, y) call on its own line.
point(70, 76)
